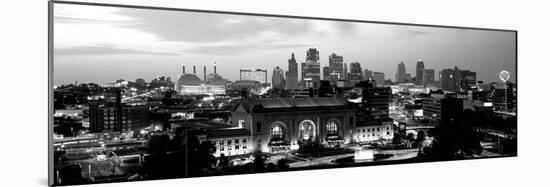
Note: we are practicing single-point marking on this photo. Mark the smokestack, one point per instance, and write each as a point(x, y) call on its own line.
point(183, 69)
point(194, 70)
point(204, 73)
point(215, 68)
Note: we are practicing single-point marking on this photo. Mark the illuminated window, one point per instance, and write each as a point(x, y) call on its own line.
point(276, 132)
point(332, 127)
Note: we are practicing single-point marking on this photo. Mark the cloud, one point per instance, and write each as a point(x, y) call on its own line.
point(209, 27)
point(79, 20)
point(238, 49)
point(104, 50)
point(417, 32)
point(345, 27)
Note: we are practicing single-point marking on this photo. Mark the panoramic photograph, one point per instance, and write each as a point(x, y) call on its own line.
point(152, 93)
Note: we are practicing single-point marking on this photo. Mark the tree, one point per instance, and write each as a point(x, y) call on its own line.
point(420, 137)
point(200, 157)
point(396, 139)
point(167, 99)
point(452, 142)
point(223, 161)
point(259, 161)
point(282, 164)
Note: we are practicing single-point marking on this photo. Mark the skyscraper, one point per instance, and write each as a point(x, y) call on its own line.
point(368, 75)
point(419, 72)
point(345, 75)
point(401, 75)
point(302, 68)
point(467, 79)
point(278, 79)
point(311, 68)
point(428, 77)
point(355, 71)
point(335, 67)
point(378, 77)
point(259, 75)
point(449, 79)
point(204, 74)
point(375, 100)
point(292, 74)
point(457, 80)
point(326, 73)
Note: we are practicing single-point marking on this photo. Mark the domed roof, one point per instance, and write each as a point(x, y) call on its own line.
point(189, 79)
point(215, 79)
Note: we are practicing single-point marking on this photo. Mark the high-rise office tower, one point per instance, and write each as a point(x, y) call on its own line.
point(449, 79)
point(259, 75)
point(368, 75)
point(292, 74)
point(278, 79)
point(311, 68)
point(467, 80)
point(419, 72)
point(401, 75)
point(346, 76)
point(428, 77)
point(204, 73)
point(336, 67)
point(378, 77)
point(457, 80)
point(356, 71)
point(326, 73)
point(375, 102)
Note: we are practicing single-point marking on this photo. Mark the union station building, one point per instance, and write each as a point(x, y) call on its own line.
point(281, 124)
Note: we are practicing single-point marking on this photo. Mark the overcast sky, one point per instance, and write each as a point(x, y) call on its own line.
point(103, 44)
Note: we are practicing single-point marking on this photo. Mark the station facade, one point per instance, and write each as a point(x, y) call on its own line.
point(282, 124)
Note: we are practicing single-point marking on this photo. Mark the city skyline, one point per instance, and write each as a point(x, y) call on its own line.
point(328, 104)
point(255, 43)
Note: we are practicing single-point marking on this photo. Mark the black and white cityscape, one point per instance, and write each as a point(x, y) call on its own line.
point(143, 94)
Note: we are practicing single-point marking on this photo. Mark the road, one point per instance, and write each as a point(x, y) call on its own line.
point(319, 161)
point(328, 160)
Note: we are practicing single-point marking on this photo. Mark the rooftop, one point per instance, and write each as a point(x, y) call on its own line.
point(270, 104)
point(228, 132)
